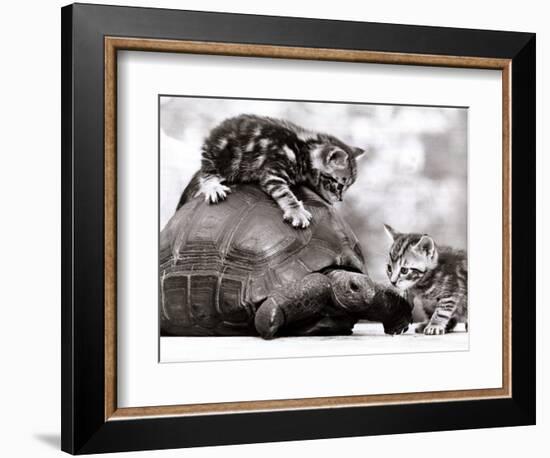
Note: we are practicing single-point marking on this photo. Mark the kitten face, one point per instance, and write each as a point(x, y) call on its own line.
point(335, 167)
point(411, 256)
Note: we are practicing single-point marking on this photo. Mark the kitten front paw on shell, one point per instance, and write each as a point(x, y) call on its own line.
point(214, 192)
point(298, 217)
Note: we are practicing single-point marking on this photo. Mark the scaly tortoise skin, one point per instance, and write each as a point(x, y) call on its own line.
point(236, 268)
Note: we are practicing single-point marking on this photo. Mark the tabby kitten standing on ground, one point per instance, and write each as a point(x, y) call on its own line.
point(432, 277)
point(276, 154)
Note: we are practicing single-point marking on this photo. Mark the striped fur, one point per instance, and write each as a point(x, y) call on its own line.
point(432, 277)
point(277, 155)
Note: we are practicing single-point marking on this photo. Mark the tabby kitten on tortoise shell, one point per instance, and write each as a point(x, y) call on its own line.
point(432, 277)
point(276, 154)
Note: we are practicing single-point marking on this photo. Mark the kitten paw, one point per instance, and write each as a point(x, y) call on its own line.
point(434, 330)
point(213, 191)
point(298, 217)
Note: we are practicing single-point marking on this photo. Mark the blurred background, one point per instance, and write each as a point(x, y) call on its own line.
point(413, 177)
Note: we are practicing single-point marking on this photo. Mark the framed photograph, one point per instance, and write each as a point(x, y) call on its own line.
point(282, 228)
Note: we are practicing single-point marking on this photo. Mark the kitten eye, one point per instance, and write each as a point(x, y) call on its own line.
point(404, 270)
point(389, 268)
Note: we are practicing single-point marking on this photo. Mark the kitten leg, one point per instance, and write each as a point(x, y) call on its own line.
point(212, 188)
point(293, 209)
point(441, 316)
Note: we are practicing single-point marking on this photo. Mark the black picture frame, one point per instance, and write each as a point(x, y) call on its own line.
point(84, 427)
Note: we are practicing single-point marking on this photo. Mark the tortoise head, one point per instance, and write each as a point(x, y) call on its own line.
point(351, 291)
point(391, 309)
point(358, 295)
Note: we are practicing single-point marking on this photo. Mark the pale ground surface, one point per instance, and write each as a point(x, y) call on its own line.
point(367, 338)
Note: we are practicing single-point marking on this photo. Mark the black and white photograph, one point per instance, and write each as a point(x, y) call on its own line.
point(286, 225)
point(266, 229)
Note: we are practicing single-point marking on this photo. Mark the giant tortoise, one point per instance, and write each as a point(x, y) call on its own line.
point(236, 268)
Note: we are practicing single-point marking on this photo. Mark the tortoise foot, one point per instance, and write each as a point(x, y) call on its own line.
point(269, 319)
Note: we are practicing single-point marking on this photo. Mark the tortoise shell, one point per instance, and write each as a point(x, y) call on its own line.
point(218, 263)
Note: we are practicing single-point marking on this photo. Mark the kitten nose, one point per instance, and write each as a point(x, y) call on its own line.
point(393, 282)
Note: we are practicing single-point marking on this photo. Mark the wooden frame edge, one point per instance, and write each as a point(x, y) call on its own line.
point(291, 52)
point(111, 46)
point(507, 228)
point(129, 413)
point(110, 197)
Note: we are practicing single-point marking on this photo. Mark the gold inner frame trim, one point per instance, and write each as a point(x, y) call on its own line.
point(114, 44)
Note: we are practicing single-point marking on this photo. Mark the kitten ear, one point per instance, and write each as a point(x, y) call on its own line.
point(357, 152)
point(426, 246)
point(391, 232)
point(338, 158)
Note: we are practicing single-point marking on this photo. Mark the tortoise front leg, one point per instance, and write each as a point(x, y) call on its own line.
point(323, 326)
point(303, 299)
